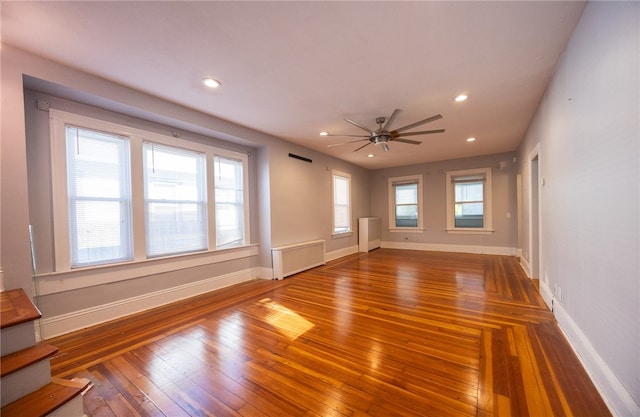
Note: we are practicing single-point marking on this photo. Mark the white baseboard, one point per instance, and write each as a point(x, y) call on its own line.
point(487, 250)
point(333, 255)
point(546, 294)
point(263, 272)
point(617, 398)
point(525, 266)
point(65, 323)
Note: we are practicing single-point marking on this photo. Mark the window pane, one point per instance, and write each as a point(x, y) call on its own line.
point(341, 190)
point(407, 216)
point(341, 204)
point(175, 200)
point(407, 194)
point(469, 191)
point(229, 202)
point(99, 197)
point(469, 205)
point(406, 207)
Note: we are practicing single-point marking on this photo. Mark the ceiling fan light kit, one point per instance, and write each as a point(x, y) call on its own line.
point(382, 136)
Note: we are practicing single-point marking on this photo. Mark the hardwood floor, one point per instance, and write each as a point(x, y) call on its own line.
point(388, 333)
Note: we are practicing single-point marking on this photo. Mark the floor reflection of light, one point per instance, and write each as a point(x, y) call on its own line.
point(231, 332)
point(343, 310)
point(286, 321)
point(375, 354)
point(228, 358)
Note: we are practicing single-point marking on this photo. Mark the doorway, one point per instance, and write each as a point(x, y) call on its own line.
point(534, 215)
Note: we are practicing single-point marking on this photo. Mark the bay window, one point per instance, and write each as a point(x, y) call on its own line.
point(124, 194)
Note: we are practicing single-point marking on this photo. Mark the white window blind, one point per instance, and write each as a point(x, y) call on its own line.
point(175, 200)
point(229, 201)
point(99, 197)
point(341, 203)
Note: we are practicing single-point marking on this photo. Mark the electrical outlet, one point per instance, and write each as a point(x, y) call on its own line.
point(557, 292)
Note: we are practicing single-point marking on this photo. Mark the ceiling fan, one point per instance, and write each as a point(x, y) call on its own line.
point(382, 136)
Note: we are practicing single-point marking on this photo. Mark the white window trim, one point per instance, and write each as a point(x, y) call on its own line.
point(391, 200)
point(348, 232)
point(59, 119)
point(488, 206)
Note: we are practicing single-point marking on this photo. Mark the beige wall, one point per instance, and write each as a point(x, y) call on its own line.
point(435, 235)
point(290, 199)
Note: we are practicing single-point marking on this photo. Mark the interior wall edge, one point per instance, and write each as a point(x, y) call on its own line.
point(615, 395)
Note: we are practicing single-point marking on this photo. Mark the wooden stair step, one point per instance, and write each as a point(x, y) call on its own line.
point(26, 357)
point(47, 399)
point(16, 308)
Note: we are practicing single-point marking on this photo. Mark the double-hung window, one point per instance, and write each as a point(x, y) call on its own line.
point(228, 178)
point(175, 200)
point(469, 200)
point(406, 203)
point(126, 194)
point(341, 202)
point(99, 197)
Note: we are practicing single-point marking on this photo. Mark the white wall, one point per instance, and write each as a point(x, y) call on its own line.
point(588, 132)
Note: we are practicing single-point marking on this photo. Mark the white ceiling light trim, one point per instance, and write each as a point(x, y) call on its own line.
point(211, 82)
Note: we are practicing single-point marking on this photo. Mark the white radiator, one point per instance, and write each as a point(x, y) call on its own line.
point(368, 233)
point(291, 259)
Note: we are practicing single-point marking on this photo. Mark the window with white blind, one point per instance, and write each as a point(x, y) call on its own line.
point(469, 200)
point(341, 202)
point(228, 177)
point(99, 197)
point(406, 203)
point(175, 200)
point(123, 194)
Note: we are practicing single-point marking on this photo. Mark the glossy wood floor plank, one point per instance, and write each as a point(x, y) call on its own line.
point(387, 333)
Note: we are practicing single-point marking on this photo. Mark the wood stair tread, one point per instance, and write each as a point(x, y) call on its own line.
point(16, 308)
point(46, 399)
point(26, 357)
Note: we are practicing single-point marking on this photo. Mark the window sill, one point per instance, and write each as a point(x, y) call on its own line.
point(341, 235)
point(470, 231)
point(407, 230)
point(60, 281)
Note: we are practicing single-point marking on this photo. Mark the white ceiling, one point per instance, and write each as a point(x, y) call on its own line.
point(293, 69)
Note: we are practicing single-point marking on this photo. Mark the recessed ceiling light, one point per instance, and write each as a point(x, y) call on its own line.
point(211, 82)
point(461, 97)
point(323, 133)
point(370, 155)
point(471, 139)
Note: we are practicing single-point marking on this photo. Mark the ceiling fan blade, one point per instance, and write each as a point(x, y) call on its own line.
point(359, 125)
point(366, 144)
point(421, 122)
point(351, 136)
point(413, 142)
point(345, 143)
point(424, 132)
point(393, 116)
